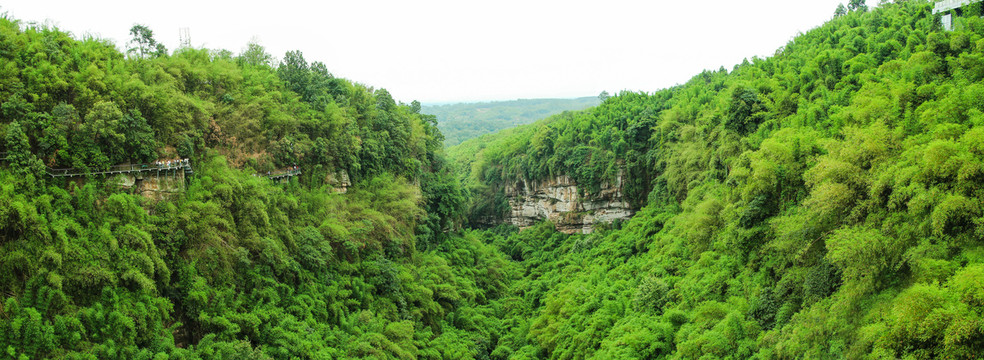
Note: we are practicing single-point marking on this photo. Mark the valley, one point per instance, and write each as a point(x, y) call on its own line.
point(821, 203)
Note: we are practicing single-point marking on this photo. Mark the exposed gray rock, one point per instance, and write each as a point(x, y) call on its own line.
point(339, 181)
point(154, 186)
point(558, 200)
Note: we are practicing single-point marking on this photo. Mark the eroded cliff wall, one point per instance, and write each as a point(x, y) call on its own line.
point(153, 186)
point(559, 201)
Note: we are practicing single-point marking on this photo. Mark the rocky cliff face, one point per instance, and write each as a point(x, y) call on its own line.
point(339, 181)
point(153, 186)
point(558, 200)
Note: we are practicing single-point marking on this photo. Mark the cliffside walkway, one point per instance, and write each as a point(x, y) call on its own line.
point(155, 168)
point(284, 175)
point(126, 169)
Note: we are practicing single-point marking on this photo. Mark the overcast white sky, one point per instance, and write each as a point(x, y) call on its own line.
point(461, 50)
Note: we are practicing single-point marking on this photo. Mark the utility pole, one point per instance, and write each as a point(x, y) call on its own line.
point(185, 38)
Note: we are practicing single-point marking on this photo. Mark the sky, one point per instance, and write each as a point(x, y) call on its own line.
point(464, 50)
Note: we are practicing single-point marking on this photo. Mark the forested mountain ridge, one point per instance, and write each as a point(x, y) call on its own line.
point(113, 109)
point(821, 203)
point(236, 266)
point(460, 122)
point(825, 202)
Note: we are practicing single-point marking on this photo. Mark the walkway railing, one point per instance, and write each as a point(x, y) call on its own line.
point(126, 169)
point(156, 167)
point(289, 173)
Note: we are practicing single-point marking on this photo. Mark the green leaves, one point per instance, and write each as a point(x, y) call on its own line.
point(862, 255)
point(821, 203)
point(938, 321)
point(19, 154)
point(820, 193)
point(143, 43)
point(954, 215)
point(744, 111)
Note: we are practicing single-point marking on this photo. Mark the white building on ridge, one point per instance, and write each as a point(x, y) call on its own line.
point(945, 6)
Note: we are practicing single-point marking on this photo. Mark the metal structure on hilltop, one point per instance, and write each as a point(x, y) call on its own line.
point(946, 6)
point(184, 34)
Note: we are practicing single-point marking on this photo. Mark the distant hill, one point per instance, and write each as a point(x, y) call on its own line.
point(460, 122)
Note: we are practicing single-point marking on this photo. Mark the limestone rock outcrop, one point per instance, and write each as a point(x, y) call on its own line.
point(151, 185)
point(559, 201)
point(339, 181)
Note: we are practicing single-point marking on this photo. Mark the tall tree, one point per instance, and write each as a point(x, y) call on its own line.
point(19, 152)
point(138, 137)
point(102, 127)
point(857, 5)
point(743, 110)
point(322, 84)
point(255, 55)
point(295, 72)
point(143, 43)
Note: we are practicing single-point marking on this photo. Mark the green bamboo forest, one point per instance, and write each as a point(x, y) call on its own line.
point(825, 202)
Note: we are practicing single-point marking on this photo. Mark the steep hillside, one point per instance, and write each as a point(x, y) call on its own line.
point(460, 122)
point(230, 265)
point(821, 203)
point(825, 202)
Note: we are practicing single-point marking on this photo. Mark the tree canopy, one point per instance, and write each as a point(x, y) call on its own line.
point(824, 202)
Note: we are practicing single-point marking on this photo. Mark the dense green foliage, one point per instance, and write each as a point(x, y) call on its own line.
point(235, 266)
point(460, 122)
point(84, 105)
point(822, 203)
